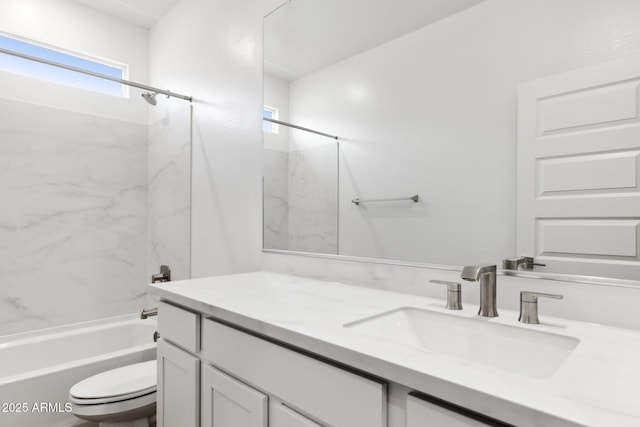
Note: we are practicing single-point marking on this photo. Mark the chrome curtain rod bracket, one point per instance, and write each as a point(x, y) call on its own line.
point(415, 199)
point(279, 122)
point(98, 75)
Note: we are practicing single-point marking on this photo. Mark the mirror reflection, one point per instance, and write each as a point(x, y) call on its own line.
point(423, 97)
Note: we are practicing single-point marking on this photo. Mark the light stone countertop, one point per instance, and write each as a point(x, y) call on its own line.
point(597, 385)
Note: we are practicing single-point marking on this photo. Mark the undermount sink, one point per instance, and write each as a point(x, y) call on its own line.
point(478, 340)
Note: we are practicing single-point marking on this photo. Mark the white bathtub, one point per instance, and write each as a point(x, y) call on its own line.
point(38, 368)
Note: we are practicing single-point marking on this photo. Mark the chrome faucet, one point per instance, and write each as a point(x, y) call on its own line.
point(527, 263)
point(146, 312)
point(529, 306)
point(486, 275)
point(163, 276)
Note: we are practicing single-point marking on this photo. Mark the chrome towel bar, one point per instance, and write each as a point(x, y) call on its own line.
point(357, 202)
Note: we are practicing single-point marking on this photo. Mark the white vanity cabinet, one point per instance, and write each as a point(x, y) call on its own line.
point(214, 374)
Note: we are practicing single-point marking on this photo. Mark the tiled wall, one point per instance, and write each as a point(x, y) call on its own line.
point(73, 216)
point(276, 199)
point(169, 180)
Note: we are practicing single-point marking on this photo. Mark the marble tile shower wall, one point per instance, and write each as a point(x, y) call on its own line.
point(300, 199)
point(73, 216)
point(276, 199)
point(313, 195)
point(170, 188)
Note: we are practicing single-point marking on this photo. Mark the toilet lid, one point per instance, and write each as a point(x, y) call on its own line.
point(138, 379)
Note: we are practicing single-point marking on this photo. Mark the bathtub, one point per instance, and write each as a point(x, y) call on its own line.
point(38, 368)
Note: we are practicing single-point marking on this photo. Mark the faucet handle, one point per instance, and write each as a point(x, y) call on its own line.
point(163, 276)
point(454, 295)
point(527, 263)
point(529, 306)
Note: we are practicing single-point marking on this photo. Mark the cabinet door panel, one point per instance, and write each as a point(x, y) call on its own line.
point(424, 411)
point(226, 402)
point(281, 416)
point(178, 379)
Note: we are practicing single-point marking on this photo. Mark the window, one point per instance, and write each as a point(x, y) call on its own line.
point(269, 113)
point(52, 73)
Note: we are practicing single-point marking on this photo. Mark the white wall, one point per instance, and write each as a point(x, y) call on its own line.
point(70, 25)
point(212, 50)
point(276, 94)
point(434, 113)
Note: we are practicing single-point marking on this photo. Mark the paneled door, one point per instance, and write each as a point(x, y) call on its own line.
point(227, 402)
point(578, 171)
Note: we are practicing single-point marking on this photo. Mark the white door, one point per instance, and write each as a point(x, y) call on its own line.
point(578, 171)
point(178, 379)
point(226, 402)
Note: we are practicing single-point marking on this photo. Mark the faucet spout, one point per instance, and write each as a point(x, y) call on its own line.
point(146, 312)
point(486, 275)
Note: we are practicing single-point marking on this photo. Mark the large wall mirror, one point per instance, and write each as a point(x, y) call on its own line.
point(423, 99)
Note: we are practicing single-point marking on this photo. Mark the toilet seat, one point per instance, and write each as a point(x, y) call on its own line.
point(116, 385)
point(125, 410)
point(122, 396)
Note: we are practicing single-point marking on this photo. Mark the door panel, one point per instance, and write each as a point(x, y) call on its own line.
point(579, 170)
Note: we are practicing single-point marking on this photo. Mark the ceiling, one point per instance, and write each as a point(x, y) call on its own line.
point(140, 12)
point(306, 35)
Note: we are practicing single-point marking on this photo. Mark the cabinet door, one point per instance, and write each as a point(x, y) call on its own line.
point(427, 411)
point(178, 380)
point(282, 416)
point(226, 402)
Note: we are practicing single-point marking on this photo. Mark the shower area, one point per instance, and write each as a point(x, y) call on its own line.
point(94, 194)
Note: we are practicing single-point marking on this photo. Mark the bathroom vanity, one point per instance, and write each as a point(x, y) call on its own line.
point(266, 349)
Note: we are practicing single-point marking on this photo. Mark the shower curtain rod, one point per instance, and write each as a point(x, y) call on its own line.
point(101, 76)
point(299, 127)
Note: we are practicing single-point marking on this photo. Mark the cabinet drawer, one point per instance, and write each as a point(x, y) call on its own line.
point(181, 327)
point(332, 395)
point(424, 410)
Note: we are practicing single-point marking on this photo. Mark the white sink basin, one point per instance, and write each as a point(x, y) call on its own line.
point(478, 340)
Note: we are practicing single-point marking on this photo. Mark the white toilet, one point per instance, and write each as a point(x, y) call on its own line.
point(121, 397)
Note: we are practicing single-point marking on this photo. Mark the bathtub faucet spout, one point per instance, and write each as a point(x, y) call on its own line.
point(148, 312)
